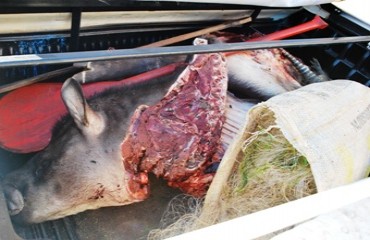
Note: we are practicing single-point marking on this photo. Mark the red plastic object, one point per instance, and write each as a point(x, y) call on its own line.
point(28, 114)
point(315, 23)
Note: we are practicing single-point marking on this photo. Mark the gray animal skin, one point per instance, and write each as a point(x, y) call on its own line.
point(82, 166)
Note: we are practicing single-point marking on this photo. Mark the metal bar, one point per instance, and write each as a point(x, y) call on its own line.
point(75, 29)
point(68, 71)
point(70, 57)
point(256, 12)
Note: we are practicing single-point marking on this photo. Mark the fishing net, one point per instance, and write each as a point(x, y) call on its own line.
point(292, 145)
point(268, 173)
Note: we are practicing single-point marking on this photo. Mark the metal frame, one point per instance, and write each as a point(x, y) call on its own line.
point(72, 57)
point(102, 5)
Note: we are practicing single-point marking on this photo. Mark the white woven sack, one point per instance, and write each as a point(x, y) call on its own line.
point(329, 123)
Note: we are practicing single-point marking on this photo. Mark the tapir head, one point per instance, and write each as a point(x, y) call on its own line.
point(80, 169)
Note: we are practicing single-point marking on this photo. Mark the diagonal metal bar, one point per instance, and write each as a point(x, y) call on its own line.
point(70, 57)
point(68, 71)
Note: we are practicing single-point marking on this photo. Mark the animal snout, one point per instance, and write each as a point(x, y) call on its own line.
point(14, 199)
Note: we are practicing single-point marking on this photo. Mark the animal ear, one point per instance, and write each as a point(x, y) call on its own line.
point(86, 119)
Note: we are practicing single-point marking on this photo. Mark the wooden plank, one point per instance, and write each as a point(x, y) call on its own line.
point(199, 33)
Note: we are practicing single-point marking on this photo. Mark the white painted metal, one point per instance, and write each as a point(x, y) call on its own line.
point(273, 219)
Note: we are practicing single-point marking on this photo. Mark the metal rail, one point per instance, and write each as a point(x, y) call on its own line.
point(72, 57)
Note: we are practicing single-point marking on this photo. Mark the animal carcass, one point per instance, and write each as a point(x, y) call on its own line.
point(85, 167)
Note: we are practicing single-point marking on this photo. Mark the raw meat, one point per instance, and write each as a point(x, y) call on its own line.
point(179, 137)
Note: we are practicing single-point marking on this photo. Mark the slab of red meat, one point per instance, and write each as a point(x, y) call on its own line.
point(179, 137)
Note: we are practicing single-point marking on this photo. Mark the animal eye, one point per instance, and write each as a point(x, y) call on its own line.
point(38, 171)
point(41, 168)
